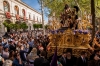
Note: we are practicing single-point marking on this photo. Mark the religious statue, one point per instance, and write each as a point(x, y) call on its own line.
point(69, 17)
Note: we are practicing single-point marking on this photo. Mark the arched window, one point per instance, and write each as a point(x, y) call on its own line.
point(6, 6)
point(23, 13)
point(16, 10)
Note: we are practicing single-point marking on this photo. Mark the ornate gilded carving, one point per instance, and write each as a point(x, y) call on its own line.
point(86, 24)
point(69, 39)
point(78, 38)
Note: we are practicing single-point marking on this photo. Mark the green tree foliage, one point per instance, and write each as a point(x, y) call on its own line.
point(15, 26)
point(34, 26)
point(23, 26)
point(6, 24)
point(37, 26)
point(40, 25)
point(97, 7)
point(57, 6)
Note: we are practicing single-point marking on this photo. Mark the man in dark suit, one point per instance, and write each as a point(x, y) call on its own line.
point(82, 60)
point(41, 61)
point(70, 59)
point(62, 60)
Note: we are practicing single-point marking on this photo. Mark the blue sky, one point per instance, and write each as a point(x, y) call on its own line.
point(34, 4)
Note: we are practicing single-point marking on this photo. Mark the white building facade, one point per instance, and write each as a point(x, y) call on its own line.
point(16, 10)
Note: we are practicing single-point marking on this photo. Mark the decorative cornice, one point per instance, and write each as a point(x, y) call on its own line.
point(28, 6)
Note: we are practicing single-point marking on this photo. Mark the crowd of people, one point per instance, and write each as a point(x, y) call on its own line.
point(21, 48)
point(30, 49)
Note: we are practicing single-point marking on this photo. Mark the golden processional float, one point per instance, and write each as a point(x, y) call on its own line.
point(69, 33)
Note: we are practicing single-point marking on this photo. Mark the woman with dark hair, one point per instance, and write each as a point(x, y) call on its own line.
point(11, 56)
point(5, 53)
point(17, 60)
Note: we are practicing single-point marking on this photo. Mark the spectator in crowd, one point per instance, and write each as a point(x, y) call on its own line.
point(40, 47)
point(17, 60)
point(5, 53)
point(26, 46)
point(32, 56)
point(11, 55)
point(23, 54)
point(41, 61)
point(12, 46)
point(96, 52)
point(18, 46)
point(30, 42)
point(63, 59)
point(8, 62)
point(82, 60)
point(95, 61)
point(69, 59)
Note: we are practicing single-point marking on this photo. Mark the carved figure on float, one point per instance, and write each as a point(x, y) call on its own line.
point(69, 17)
